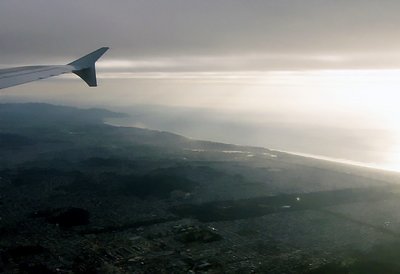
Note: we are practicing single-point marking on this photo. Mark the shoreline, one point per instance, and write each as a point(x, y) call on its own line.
point(301, 154)
point(338, 160)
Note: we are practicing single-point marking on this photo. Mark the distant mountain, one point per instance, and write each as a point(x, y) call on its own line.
point(42, 114)
point(16, 118)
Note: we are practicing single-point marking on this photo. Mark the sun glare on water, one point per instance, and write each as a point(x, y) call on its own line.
point(373, 95)
point(366, 101)
point(363, 100)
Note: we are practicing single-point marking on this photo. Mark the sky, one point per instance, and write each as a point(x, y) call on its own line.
point(197, 35)
point(313, 76)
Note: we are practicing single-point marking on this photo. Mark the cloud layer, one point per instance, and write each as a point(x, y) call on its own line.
point(195, 35)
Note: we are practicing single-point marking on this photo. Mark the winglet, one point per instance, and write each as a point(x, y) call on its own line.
point(85, 68)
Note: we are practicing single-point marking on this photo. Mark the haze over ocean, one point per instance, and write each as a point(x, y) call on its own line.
point(341, 114)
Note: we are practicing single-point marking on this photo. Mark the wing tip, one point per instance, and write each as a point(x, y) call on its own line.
point(85, 68)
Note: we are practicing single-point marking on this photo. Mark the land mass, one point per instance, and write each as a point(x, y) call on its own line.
point(81, 196)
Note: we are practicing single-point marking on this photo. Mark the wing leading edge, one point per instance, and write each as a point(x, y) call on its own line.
point(84, 67)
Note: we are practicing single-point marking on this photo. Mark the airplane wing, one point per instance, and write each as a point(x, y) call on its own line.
point(83, 67)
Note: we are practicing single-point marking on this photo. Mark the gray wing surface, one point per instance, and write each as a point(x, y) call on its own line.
point(83, 67)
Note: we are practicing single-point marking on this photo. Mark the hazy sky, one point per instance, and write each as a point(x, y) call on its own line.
point(319, 76)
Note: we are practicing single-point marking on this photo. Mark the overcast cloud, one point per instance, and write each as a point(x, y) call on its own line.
point(220, 35)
